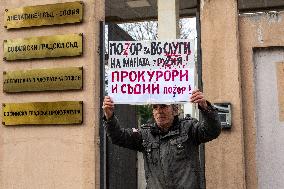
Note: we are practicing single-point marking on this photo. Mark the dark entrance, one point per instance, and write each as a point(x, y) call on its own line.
point(119, 165)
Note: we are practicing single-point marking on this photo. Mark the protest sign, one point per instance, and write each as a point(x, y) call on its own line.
point(150, 72)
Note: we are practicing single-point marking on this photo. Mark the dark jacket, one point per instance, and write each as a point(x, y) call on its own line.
point(171, 159)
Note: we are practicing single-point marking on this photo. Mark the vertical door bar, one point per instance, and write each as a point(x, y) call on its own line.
point(102, 93)
point(200, 86)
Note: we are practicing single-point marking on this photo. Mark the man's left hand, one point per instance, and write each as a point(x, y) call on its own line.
point(198, 97)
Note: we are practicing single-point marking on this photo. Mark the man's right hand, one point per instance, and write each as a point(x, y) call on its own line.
point(108, 107)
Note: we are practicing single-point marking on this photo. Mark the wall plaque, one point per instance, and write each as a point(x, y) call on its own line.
point(43, 47)
point(42, 113)
point(43, 79)
point(60, 13)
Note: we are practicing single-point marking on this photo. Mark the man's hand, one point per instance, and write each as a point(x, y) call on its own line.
point(108, 107)
point(198, 97)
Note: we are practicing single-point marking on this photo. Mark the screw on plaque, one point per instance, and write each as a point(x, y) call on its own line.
point(4, 58)
point(3, 105)
point(6, 10)
point(3, 123)
point(5, 26)
point(4, 73)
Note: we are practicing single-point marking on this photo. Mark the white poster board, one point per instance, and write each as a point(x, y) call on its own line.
point(150, 72)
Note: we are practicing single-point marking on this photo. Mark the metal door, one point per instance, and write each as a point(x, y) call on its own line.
point(121, 163)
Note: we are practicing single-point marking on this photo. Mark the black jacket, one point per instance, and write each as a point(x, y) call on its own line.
point(171, 159)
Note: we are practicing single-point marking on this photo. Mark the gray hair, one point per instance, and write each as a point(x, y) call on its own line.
point(175, 108)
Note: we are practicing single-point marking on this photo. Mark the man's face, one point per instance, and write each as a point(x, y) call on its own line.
point(163, 115)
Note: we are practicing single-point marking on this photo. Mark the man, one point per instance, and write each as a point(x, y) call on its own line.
point(170, 146)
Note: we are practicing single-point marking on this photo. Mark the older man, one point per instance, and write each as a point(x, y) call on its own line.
point(170, 146)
